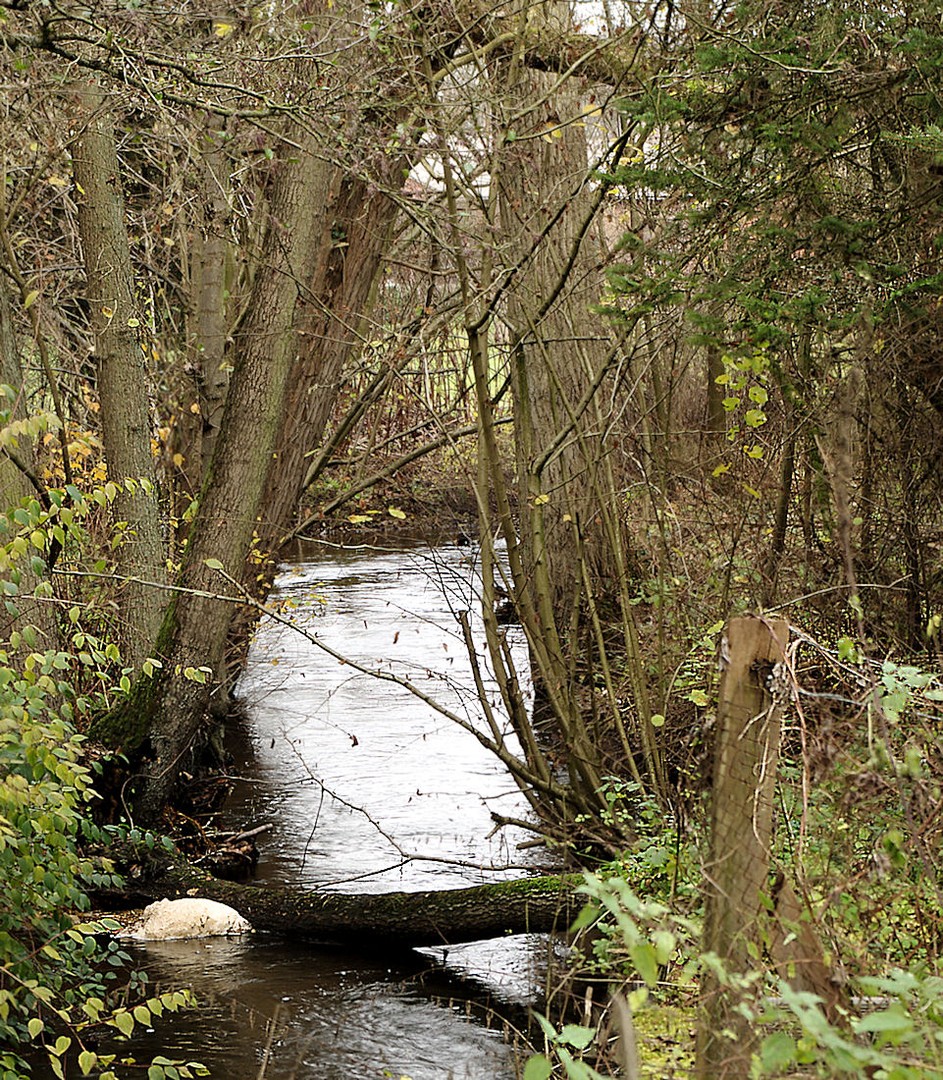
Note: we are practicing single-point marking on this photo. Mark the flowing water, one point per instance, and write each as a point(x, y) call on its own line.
point(367, 788)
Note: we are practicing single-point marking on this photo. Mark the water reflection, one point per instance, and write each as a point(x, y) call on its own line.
point(366, 782)
point(368, 788)
point(281, 1011)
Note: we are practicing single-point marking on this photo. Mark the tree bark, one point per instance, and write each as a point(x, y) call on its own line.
point(207, 323)
point(405, 919)
point(746, 756)
point(330, 335)
point(164, 715)
point(118, 324)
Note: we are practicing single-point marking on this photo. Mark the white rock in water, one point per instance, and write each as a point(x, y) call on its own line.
point(189, 917)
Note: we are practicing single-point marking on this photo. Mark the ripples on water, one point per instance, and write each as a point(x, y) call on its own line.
point(368, 789)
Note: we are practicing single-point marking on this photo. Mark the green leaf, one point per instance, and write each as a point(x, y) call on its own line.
point(778, 1052)
point(213, 564)
point(586, 917)
point(87, 1061)
point(548, 1029)
point(538, 1068)
point(31, 297)
point(646, 961)
point(124, 1022)
point(62, 1044)
point(577, 1036)
point(35, 1026)
point(156, 1072)
point(892, 1023)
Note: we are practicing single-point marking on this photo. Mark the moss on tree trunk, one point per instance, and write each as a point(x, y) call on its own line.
point(403, 919)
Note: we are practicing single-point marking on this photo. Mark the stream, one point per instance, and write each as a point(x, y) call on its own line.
point(367, 788)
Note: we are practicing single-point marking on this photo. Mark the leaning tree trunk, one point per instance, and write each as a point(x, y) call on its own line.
point(119, 328)
point(164, 716)
point(330, 333)
point(207, 325)
point(560, 346)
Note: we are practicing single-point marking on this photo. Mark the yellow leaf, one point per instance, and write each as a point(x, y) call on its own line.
point(358, 519)
point(31, 297)
point(178, 460)
point(395, 512)
point(195, 408)
point(58, 181)
point(134, 322)
point(720, 470)
point(108, 312)
point(541, 499)
point(222, 29)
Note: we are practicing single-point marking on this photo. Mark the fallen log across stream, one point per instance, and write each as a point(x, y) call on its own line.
point(401, 919)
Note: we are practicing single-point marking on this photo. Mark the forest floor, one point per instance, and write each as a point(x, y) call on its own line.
point(432, 498)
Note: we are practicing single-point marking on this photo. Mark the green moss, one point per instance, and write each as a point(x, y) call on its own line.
point(665, 1039)
point(127, 726)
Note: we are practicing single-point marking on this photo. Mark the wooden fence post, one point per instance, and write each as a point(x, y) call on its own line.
point(736, 874)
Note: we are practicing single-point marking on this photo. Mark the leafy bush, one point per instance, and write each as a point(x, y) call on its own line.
point(57, 975)
point(60, 977)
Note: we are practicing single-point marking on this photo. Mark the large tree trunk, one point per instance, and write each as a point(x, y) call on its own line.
point(330, 333)
point(560, 346)
point(573, 585)
point(407, 919)
point(165, 715)
point(119, 327)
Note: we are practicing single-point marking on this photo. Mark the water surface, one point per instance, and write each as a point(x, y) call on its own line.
point(368, 789)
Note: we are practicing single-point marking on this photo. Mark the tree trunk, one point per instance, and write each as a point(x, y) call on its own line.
point(406, 919)
point(548, 214)
point(118, 325)
point(205, 376)
point(164, 715)
point(575, 563)
point(330, 334)
point(209, 328)
point(746, 757)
